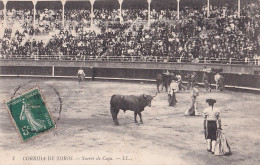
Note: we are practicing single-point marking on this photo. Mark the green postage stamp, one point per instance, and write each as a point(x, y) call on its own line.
point(30, 114)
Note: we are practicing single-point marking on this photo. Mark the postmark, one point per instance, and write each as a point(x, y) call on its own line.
point(30, 114)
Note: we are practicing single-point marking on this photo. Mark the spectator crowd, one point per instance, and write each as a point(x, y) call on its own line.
point(194, 37)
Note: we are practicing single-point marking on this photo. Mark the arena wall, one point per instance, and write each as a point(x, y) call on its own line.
point(235, 68)
point(133, 71)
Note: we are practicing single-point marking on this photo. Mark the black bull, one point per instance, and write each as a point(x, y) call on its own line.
point(129, 102)
point(164, 80)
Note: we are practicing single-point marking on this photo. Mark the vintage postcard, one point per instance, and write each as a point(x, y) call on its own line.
point(129, 82)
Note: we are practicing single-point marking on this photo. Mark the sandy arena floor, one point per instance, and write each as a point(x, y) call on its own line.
point(86, 131)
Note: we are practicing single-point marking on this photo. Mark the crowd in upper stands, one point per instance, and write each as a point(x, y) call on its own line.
point(193, 37)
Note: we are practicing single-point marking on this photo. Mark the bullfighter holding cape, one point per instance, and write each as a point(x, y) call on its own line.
point(192, 110)
point(174, 87)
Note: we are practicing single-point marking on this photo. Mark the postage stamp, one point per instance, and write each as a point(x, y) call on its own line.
point(30, 114)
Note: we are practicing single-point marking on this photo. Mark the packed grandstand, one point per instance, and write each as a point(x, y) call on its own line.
point(223, 36)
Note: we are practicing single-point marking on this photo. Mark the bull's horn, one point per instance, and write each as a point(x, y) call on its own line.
point(155, 94)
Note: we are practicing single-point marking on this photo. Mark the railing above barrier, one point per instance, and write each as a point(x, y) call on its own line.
point(129, 58)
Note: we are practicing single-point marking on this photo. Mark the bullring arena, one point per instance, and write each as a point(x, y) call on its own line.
point(86, 128)
point(122, 46)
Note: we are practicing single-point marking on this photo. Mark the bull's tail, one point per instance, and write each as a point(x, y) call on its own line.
point(113, 111)
point(158, 85)
point(111, 100)
point(159, 81)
